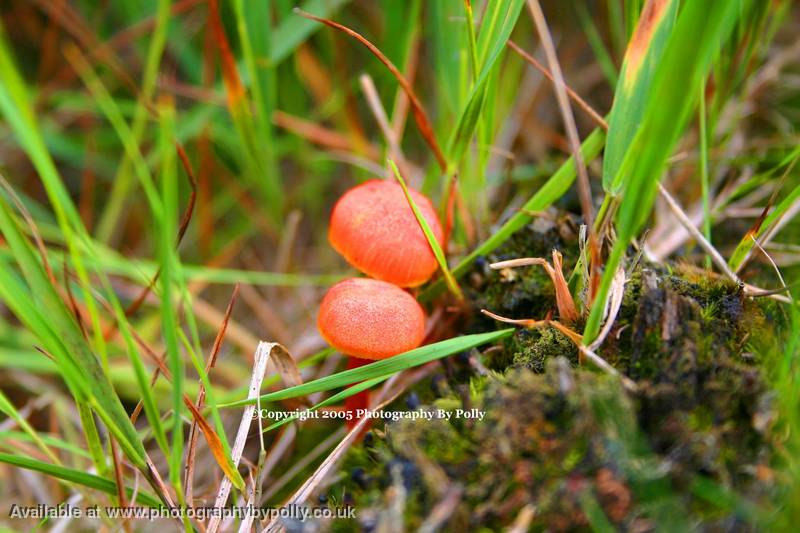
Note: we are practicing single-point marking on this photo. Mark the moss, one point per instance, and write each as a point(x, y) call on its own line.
point(525, 292)
point(550, 439)
point(533, 348)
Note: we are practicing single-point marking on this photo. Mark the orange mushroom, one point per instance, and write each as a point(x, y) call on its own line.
point(370, 319)
point(376, 231)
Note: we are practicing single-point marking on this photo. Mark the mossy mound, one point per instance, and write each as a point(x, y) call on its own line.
point(570, 444)
point(563, 447)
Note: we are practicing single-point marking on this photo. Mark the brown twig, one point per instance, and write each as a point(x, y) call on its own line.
point(589, 110)
point(420, 116)
point(119, 477)
point(317, 134)
point(201, 396)
point(584, 189)
point(392, 142)
point(564, 301)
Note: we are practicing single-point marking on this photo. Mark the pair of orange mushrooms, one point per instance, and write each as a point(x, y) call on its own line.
point(374, 228)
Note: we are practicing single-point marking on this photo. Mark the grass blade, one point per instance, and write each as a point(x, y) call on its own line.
point(169, 275)
point(41, 309)
point(215, 445)
point(499, 20)
point(426, 229)
point(392, 365)
point(766, 221)
point(121, 189)
point(76, 476)
point(336, 398)
point(636, 78)
point(418, 111)
point(698, 35)
point(8, 408)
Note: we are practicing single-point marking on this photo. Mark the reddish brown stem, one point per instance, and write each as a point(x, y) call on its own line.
point(359, 400)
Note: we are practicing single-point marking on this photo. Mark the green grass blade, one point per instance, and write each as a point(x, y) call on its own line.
point(336, 398)
point(447, 35)
point(597, 518)
point(382, 368)
point(169, 274)
point(616, 24)
point(76, 476)
point(601, 53)
point(500, 19)
point(698, 35)
point(253, 21)
point(745, 246)
point(122, 187)
point(92, 437)
point(140, 373)
point(471, 40)
point(128, 136)
point(18, 109)
point(40, 307)
point(636, 79)
point(8, 408)
point(15, 105)
point(426, 229)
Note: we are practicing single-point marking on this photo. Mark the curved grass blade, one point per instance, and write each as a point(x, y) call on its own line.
point(765, 222)
point(418, 111)
point(383, 368)
point(76, 476)
point(221, 455)
point(426, 229)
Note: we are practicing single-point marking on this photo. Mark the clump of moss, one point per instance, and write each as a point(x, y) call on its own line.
point(533, 348)
point(568, 442)
point(521, 292)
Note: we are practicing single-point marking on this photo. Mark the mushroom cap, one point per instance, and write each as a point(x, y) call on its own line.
point(370, 319)
point(376, 231)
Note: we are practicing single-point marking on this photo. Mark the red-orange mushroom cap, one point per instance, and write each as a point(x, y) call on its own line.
point(376, 231)
point(370, 319)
